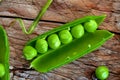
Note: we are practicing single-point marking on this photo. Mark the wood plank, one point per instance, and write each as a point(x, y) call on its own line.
point(65, 10)
point(81, 69)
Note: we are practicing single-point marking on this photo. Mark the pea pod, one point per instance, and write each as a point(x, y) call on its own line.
point(74, 50)
point(4, 55)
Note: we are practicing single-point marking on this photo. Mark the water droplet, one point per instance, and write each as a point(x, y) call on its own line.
point(68, 58)
point(89, 45)
point(103, 39)
point(68, 28)
point(74, 53)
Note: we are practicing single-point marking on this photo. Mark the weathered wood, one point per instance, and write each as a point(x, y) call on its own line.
point(108, 55)
point(62, 11)
point(65, 10)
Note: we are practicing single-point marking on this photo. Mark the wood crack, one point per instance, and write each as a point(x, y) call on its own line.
point(49, 21)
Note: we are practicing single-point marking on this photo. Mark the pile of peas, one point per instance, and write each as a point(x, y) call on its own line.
point(54, 41)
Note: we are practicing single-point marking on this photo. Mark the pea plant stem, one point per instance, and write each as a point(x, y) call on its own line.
point(36, 21)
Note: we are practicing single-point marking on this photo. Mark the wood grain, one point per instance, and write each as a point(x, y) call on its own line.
point(62, 11)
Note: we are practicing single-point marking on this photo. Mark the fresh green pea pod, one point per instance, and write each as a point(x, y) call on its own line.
point(74, 50)
point(65, 36)
point(4, 55)
point(53, 41)
point(41, 45)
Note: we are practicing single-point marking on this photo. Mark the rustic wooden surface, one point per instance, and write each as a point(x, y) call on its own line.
point(62, 11)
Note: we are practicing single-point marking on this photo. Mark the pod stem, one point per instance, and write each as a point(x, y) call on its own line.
point(35, 22)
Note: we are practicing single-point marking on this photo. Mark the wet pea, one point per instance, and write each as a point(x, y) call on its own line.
point(102, 72)
point(65, 36)
point(2, 70)
point(90, 26)
point(41, 45)
point(77, 31)
point(53, 41)
point(29, 52)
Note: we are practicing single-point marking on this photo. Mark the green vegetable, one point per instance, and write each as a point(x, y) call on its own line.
point(102, 72)
point(4, 55)
point(36, 21)
point(41, 45)
point(53, 41)
point(29, 52)
point(90, 26)
point(65, 36)
point(66, 53)
point(77, 31)
point(2, 70)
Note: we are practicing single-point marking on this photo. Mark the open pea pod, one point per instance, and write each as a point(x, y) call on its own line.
point(74, 50)
point(4, 55)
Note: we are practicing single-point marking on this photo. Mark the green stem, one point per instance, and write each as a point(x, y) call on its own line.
point(36, 21)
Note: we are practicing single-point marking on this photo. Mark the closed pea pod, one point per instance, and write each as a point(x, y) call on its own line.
point(77, 31)
point(41, 45)
point(4, 55)
point(65, 36)
point(75, 49)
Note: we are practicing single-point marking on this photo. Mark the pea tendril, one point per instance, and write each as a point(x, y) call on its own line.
point(35, 22)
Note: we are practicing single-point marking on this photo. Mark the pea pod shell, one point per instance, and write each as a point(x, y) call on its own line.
point(67, 53)
point(72, 51)
point(4, 53)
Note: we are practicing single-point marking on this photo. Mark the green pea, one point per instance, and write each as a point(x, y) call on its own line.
point(90, 26)
point(102, 72)
point(65, 36)
point(41, 45)
point(2, 70)
point(53, 41)
point(77, 31)
point(29, 52)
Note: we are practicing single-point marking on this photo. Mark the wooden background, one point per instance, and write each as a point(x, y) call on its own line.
point(62, 11)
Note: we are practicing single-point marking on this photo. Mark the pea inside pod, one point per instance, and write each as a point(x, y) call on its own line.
point(4, 55)
point(53, 41)
point(77, 31)
point(41, 45)
point(90, 26)
point(63, 54)
point(65, 36)
point(29, 52)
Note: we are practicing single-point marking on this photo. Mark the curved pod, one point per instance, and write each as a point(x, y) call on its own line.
point(74, 50)
point(4, 53)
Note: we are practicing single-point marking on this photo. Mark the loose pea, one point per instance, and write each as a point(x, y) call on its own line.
point(29, 52)
point(53, 41)
point(90, 26)
point(41, 45)
point(77, 31)
point(2, 70)
point(102, 72)
point(65, 36)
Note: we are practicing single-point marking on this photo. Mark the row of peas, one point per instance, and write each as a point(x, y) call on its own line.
point(55, 40)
